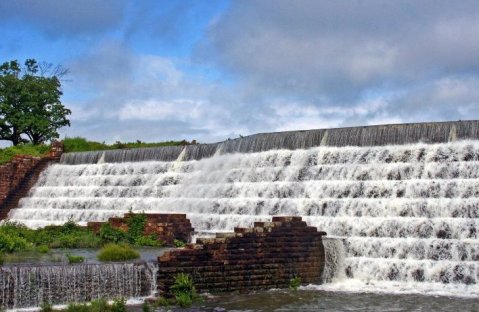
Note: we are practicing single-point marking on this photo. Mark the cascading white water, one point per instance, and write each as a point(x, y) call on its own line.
point(31, 286)
point(408, 214)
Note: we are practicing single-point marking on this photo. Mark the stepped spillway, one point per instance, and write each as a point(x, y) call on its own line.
point(407, 215)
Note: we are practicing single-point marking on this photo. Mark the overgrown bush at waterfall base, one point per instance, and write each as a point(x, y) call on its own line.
point(184, 290)
point(294, 283)
point(17, 237)
point(117, 252)
point(135, 234)
point(11, 243)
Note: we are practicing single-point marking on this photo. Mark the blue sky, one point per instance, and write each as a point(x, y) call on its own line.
point(211, 70)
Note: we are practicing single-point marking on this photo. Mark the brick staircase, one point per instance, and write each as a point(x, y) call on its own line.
point(23, 187)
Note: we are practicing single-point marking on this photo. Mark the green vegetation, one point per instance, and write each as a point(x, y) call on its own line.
point(43, 249)
point(76, 144)
point(17, 237)
point(145, 307)
point(179, 243)
point(163, 302)
point(79, 144)
point(294, 283)
point(46, 307)
point(30, 106)
point(135, 234)
point(6, 154)
point(75, 259)
point(184, 290)
point(117, 252)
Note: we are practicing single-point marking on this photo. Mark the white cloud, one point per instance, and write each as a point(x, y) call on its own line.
point(152, 109)
point(293, 65)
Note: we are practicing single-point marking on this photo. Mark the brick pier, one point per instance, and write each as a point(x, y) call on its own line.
point(266, 256)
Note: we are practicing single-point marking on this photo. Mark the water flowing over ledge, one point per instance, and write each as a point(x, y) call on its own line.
point(404, 215)
point(31, 286)
point(433, 132)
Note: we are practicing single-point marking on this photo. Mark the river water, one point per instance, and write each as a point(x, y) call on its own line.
point(314, 300)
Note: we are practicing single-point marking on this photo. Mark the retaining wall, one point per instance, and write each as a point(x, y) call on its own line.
point(19, 175)
point(167, 227)
point(266, 256)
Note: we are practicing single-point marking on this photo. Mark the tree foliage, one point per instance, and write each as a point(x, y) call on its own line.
point(30, 106)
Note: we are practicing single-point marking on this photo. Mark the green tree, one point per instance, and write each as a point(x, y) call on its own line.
point(30, 106)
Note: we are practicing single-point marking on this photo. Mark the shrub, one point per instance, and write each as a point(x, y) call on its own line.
point(75, 259)
point(294, 283)
point(118, 305)
point(150, 240)
point(117, 252)
point(76, 307)
point(69, 235)
point(162, 302)
point(136, 226)
point(184, 290)
point(184, 300)
point(43, 249)
point(179, 243)
point(11, 243)
point(110, 234)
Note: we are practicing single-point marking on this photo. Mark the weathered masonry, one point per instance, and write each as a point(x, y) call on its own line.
point(266, 256)
point(167, 227)
point(20, 174)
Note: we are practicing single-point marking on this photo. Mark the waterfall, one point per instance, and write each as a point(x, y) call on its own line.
point(432, 132)
point(407, 215)
point(334, 259)
point(31, 286)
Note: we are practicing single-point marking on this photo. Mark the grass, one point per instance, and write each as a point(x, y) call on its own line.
point(79, 144)
point(100, 305)
point(179, 243)
point(75, 259)
point(117, 252)
point(6, 154)
point(184, 290)
point(294, 283)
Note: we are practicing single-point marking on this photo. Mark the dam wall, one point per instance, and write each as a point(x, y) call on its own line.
point(400, 202)
point(380, 135)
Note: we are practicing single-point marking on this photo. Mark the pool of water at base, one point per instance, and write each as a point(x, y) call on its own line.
point(59, 256)
point(313, 300)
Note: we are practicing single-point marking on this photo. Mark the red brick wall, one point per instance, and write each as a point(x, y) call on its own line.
point(14, 172)
point(266, 256)
point(166, 226)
